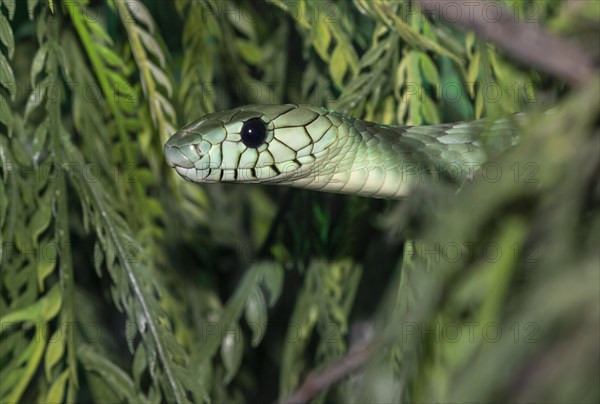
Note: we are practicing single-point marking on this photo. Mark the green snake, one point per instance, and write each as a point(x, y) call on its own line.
point(319, 149)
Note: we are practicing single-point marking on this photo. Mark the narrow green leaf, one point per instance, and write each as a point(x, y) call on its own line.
point(321, 38)
point(57, 390)
point(36, 97)
point(31, 4)
point(429, 69)
point(256, 315)
point(373, 55)
point(120, 86)
point(358, 84)
point(243, 25)
point(6, 36)
point(232, 349)
point(9, 380)
point(3, 202)
point(479, 104)
point(161, 78)
point(47, 263)
point(99, 31)
point(338, 65)
point(6, 116)
point(51, 303)
point(28, 313)
point(151, 45)
point(31, 356)
point(473, 73)
point(54, 351)
point(98, 259)
point(140, 363)
point(273, 280)
point(111, 374)
point(44, 309)
point(51, 5)
point(388, 110)
point(400, 77)
point(430, 111)
point(144, 175)
point(10, 5)
point(154, 207)
point(111, 58)
point(470, 40)
point(41, 219)
point(39, 140)
point(132, 124)
point(415, 117)
point(167, 107)
point(7, 77)
point(41, 30)
point(249, 51)
point(21, 154)
point(141, 13)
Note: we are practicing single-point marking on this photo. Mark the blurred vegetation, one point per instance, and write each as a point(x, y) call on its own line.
point(120, 282)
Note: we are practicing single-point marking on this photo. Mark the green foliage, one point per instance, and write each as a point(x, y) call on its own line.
point(121, 282)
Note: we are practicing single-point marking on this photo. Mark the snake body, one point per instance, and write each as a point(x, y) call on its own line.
point(320, 149)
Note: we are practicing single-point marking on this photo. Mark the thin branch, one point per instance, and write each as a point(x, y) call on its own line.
point(117, 230)
point(318, 381)
point(526, 42)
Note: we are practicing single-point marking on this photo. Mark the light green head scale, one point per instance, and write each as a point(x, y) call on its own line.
point(212, 149)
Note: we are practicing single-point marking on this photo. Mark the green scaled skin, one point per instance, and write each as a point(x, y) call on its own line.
point(319, 149)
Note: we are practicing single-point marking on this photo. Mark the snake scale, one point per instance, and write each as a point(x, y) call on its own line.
point(320, 149)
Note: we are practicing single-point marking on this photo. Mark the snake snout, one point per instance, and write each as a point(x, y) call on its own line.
point(176, 158)
point(179, 153)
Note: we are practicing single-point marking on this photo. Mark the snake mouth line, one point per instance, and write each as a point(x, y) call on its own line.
point(217, 174)
point(210, 173)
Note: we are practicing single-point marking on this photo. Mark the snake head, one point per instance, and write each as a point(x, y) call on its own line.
point(255, 143)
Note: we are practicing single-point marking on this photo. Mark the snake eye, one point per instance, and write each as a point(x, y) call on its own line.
point(254, 132)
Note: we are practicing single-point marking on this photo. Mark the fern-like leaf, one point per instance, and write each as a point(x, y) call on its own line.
point(153, 77)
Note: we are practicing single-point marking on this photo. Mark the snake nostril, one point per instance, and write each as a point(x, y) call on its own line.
point(199, 151)
point(202, 148)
